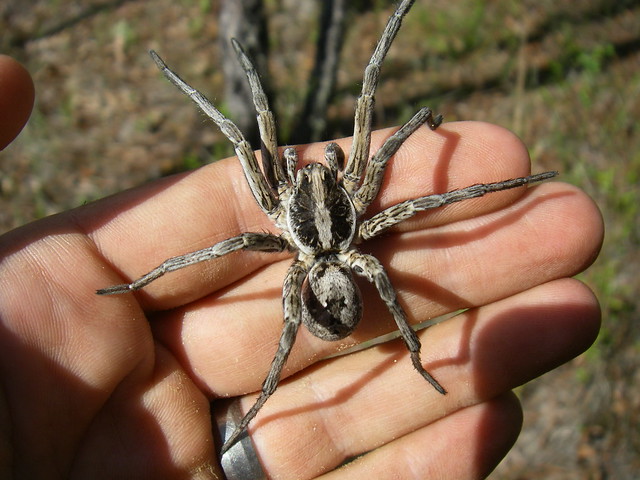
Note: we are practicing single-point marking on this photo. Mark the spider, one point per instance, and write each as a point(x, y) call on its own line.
point(319, 209)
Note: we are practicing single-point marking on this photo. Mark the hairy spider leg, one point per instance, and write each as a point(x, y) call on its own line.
point(260, 187)
point(271, 162)
point(407, 209)
point(370, 268)
point(374, 173)
point(292, 305)
point(364, 107)
point(263, 242)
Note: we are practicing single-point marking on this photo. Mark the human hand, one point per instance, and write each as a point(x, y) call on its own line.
point(120, 386)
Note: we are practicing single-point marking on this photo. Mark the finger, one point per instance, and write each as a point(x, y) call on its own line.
point(467, 444)
point(191, 212)
point(16, 99)
point(351, 405)
point(228, 340)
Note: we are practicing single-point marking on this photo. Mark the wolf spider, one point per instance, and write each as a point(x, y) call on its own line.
point(319, 209)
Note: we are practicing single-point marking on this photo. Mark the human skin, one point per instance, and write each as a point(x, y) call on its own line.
point(16, 101)
point(122, 386)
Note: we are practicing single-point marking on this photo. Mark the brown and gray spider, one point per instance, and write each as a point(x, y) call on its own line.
point(319, 209)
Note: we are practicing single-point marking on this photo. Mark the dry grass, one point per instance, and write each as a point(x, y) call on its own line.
point(563, 74)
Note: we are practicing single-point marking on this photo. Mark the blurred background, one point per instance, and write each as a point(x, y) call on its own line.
point(563, 74)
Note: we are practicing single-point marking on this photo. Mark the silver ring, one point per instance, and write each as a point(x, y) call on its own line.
point(240, 462)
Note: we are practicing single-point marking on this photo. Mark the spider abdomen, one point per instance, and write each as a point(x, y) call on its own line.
point(332, 305)
point(321, 216)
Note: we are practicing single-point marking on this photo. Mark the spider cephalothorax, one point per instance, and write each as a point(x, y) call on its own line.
point(319, 209)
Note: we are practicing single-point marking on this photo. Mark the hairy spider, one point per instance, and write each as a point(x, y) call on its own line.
point(319, 209)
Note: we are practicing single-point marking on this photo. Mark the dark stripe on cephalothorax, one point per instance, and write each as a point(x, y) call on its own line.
point(321, 215)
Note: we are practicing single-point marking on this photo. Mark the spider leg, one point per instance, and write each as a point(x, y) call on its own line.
point(371, 268)
point(364, 106)
point(291, 300)
point(263, 242)
point(271, 163)
point(374, 173)
point(407, 209)
point(259, 185)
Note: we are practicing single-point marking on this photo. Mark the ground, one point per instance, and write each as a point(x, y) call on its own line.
point(564, 75)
